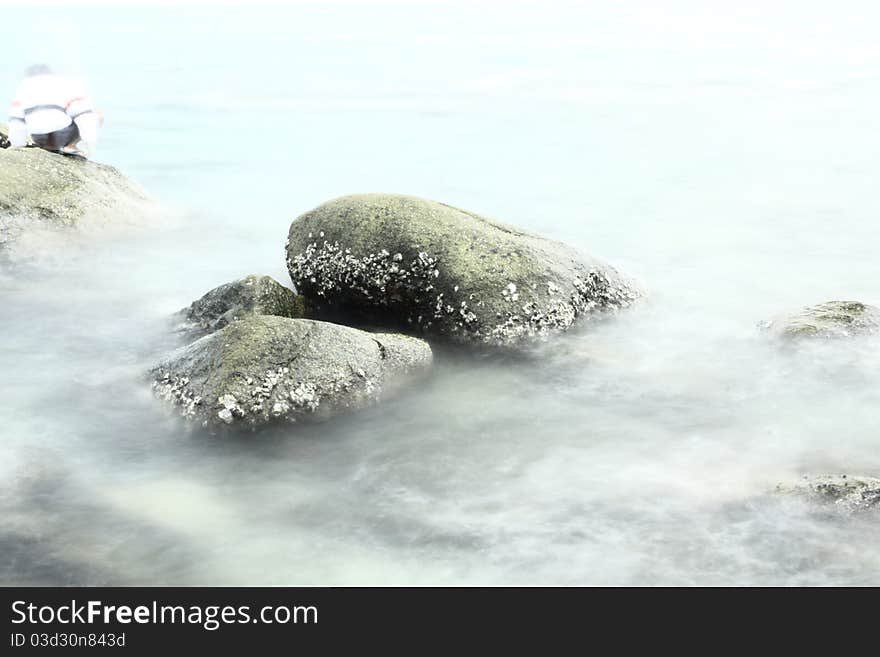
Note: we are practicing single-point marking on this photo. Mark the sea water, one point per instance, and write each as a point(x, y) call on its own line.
point(723, 156)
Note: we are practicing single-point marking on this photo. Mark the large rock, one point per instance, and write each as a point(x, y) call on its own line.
point(842, 492)
point(264, 369)
point(444, 272)
point(252, 295)
point(42, 191)
point(832, 319)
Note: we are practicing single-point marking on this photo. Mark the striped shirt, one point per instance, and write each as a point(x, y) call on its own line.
point(45, 103)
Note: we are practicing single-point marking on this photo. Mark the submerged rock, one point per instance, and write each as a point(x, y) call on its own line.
point(264, 369)
point(42, 191)
point(832, 319)
point(445, 272)
point(847, 493)
point(252, 295)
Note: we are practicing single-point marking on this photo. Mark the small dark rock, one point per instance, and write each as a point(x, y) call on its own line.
point(260, 295)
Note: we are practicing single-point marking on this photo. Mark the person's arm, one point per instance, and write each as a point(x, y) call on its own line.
point(18, 132)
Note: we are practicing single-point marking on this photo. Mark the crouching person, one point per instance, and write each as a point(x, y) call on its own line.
point(55, 112)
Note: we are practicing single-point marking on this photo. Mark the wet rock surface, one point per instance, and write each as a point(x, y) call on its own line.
point(265, 369)
point(440, 271)
point(846, 493)
point(42, 191)
point(832, 319)
point(260, 295)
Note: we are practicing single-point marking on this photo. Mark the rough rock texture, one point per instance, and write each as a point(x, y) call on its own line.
point(846, 493)
point(40, 190)
point(832, 319)
point(260, 295)
point(444, 272)
point(265, 369)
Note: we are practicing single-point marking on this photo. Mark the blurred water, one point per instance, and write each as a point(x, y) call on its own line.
point(724, 156)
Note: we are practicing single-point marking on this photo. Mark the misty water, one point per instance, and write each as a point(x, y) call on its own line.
point(726, 158)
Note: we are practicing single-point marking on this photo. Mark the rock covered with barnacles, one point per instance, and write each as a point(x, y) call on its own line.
point(265, 369)
point(260, 295)
point(849, 494)
point(832, 319)
point(444, 272)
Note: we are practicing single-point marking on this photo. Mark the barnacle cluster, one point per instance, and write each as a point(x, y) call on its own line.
point(175, 389)
point(594, 291)
point(377, 280)
point(262, 392)
point(273, 396)
point(230, 408)
point(858, 497)
point(305, 395)
point(265, 397)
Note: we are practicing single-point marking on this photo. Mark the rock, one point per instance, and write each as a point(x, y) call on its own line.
point(42, 191)
point(832, 319)
point(260, 295)
point(436, 270)
point(264, 369)
point(846, 493)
